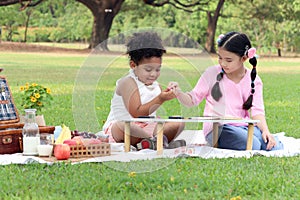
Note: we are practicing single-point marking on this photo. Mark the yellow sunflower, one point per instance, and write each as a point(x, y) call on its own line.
point(48, 91)
point(37, 95)
point(32, 99)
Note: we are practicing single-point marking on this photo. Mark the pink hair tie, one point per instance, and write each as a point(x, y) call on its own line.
point(220, 38)
point(251, 52)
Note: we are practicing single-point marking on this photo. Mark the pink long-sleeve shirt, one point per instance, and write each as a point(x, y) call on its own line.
point(234, 96)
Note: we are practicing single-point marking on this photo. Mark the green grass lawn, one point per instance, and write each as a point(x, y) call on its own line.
point(82, 86)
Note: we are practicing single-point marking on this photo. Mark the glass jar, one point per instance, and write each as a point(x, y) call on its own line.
point(31, 135)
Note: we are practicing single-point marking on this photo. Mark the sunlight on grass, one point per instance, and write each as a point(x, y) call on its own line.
point(63, 45)
point(284, 104)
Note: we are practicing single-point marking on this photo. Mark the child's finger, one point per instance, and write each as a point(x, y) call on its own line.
point(172, 85)
point(167, 89)
point(264, 138)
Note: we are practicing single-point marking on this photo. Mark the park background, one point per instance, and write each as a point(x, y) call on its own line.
point(49, 43)
point(272, 26)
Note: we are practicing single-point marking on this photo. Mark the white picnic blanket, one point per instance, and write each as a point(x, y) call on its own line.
point(193, 149)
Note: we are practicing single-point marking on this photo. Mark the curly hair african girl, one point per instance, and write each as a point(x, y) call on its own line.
point(138, 93)
point(239, 44)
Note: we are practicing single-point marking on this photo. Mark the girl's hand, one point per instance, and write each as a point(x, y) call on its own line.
point(183, 98)
point(167, 94)
point(174, 87)
point(269, 138)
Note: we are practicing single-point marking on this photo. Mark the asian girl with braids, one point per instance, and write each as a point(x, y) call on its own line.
point(230, 89)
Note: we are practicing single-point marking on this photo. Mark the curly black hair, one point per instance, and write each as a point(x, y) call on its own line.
point(144, 45)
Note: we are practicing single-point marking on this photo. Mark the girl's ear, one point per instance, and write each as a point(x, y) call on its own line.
point(244, 58)
point(132, 64)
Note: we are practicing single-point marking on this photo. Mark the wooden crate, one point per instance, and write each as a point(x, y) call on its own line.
point(92, 150)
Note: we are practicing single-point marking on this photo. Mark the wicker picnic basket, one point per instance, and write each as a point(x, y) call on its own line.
point(10, 128)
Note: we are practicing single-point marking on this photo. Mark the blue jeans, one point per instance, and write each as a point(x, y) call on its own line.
point(235, 137)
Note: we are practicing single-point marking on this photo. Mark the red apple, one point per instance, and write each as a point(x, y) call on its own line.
point(70, 142)
point(62, 151)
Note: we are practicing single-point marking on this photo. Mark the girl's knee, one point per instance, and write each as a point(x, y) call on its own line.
point(232, 141)
point(172, 130)
point(117, 133)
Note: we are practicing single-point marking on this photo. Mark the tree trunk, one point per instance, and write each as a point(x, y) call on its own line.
point(28, 14)
point(101, 28)
point(279, 52)
point(211, 28)
point(104, 12)
point(278, 47)
point(210, 34)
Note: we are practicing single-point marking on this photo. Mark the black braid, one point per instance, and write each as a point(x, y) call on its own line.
point(216, 91)
point(248, 104)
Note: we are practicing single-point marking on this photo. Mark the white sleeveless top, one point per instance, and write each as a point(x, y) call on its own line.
point(118, 110)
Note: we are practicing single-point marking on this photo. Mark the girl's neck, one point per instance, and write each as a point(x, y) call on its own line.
point(237, 75)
